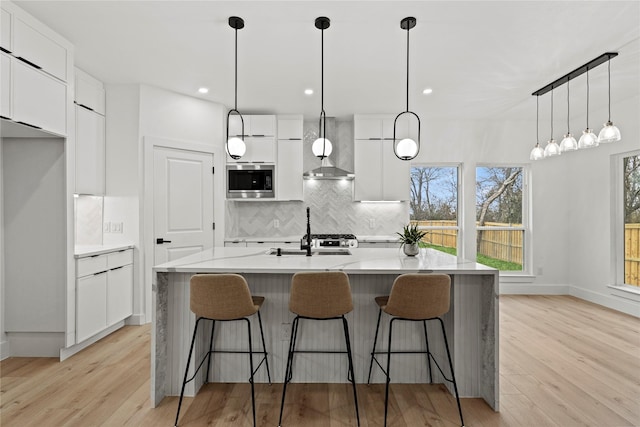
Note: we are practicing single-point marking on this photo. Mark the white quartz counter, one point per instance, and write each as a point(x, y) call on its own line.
point(361, 261)
point(89, 250)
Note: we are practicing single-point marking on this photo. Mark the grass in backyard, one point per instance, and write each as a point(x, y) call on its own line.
point(498, 264)
point(451, 251)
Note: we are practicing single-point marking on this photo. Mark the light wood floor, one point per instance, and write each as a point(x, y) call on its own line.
point(563, 362)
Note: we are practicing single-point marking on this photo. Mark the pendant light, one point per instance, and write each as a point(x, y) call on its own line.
point(322, 146)
point(568, 143)
point(609, 133)
point(552, 148)
point(537, 153)
point(235, 145)
point(588, 138)
point(407, 148)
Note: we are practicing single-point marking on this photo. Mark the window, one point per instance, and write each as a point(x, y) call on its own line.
point(500, 226)
point(434, 206)
point(631, 209)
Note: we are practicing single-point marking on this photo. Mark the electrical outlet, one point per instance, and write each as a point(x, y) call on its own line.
point(106, 227)
point(276, 223)
point(285, 328)
point(372, 223)
point(116, 227)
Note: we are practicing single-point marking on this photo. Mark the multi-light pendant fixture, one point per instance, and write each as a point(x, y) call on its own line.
point(609, 132)
point(235, 145)
point(322, 146)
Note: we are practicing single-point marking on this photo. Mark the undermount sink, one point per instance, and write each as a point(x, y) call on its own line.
point(319, 251)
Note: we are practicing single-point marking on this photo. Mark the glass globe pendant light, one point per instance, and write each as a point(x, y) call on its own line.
point(406, 148)
point(322, 146)
point(552, 148)
point(537, 152)
point(235, 145)
point(609, 133)
point(568, 143)
point(588, 138)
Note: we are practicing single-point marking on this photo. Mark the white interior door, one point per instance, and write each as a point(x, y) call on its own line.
point(182, 203)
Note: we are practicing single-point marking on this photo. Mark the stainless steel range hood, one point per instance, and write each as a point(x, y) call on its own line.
point(328, 171)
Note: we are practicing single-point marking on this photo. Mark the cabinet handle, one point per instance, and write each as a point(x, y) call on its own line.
point(30, 125)
point(26, 61)
point(5, 118)
point(97, 274)
point(160, 241)
point(5, 50)
point(84, 106)
point(117, 268)
point(295, 139)
point(259, 136)
point(375, 139)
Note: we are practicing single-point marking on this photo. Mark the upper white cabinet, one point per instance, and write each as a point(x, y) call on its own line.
point(260, 140)
point(5, 86)
point(89, 92)
point(5, 31)
point(289, 184)
point(380, 175)
point(40, 51)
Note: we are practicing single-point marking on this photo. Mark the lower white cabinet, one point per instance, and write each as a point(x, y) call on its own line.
point(104, 291)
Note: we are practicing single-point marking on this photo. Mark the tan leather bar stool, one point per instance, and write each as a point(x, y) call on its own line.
point(319, 296)
point(224, 298)
point(415, 298)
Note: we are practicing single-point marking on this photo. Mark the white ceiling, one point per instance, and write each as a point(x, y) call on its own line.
point(483, 59)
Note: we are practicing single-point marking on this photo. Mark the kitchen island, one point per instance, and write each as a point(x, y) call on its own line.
point(471, 323)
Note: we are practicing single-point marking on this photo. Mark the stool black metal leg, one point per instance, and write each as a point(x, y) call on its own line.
point(349, 356)
point(186, 370)
point(426, 340)
point(253, 397)
point(386, 391)
point(213, 326)
point(264, 347)
point(453, 375)
point(288, 373)
point(375, 340)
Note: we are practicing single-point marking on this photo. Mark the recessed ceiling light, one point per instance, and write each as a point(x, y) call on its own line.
point(308, 91)
point(203, 90)
point(427, 91)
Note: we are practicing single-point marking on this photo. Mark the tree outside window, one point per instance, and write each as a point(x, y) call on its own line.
point(631, 192)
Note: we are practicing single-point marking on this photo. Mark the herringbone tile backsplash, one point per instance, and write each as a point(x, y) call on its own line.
point(332, 207)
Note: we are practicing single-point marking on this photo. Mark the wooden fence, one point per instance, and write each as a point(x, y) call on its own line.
point(506, 245)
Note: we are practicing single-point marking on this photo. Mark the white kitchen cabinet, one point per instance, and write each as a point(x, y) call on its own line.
point(290, 127)
point(38, 99)
point(89, 92)
point(5, 88)
point(380, 175)
point(90, 152)
point(104, 291)
point(39, 50)
point(5, 31)
point(254, 125)
point(259, 150)
point(289, 168)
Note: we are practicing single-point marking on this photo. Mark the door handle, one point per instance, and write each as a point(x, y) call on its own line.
point(160, 241)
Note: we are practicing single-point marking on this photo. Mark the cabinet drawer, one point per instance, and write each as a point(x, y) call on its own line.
point(120, 258)
point(91, 265)
point(44, 53)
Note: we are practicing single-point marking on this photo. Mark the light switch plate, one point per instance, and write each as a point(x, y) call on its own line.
point(106, 227)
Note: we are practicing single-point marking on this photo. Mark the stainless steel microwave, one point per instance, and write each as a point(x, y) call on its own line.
point(250, 181)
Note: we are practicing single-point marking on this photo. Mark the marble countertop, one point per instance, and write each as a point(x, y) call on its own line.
point(361, 261)
point(89, 250)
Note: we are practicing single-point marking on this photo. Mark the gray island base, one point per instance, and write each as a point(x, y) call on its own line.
point(472, 321)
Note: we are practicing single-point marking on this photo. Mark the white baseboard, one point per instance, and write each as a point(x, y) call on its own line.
point(66, 353)
point(614, 302)
point(4, 350)
point(531, 289)
point(35, 344)
point(136, 320)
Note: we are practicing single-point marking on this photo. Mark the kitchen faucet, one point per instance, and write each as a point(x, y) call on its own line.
point(308, 245)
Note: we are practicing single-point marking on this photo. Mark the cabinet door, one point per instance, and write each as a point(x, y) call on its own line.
point(90, 154)
point(5, 88)
point(290, 128)
point(38, 99)
point(44, 53)
point(289, 185)
point(89, 92)
point(119, 294)
point(235, 125)
point(367, 128)
point(368, 170)
point(263, 125)
point(396, 176)
point(5, 30)
point(91, 313)
point(260, 150)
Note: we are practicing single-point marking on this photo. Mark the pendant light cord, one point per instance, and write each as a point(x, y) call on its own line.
point(609, 72)
point(408, 67)
point(587, 99)
point(537, 120)
point(236, 72)
point(568, 104)
point(551, 116)
point(322, 113)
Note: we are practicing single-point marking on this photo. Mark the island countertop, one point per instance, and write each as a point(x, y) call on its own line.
point(361, 261)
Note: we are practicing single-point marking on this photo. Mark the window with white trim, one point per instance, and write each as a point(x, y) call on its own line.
point(628, 223)
point(501, 217)
point(434, 205)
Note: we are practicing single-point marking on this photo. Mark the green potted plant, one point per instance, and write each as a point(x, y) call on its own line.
point(409, 239)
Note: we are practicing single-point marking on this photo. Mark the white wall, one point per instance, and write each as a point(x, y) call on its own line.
point(4, 346)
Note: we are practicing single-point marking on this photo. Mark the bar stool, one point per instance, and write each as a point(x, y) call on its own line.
point(415, 298)
point(319, 296)
point(224, 298)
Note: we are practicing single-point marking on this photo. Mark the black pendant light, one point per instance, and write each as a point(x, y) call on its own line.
point(235, 145)
point(322, 146)
point(407, 148)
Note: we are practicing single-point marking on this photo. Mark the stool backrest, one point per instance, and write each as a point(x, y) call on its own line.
point(419, 296)
point(320, 295)
point(221, 296)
